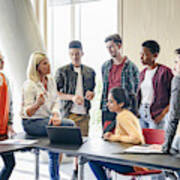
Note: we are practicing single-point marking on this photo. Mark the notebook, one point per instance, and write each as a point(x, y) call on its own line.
point(142, 150)
point(64, 135)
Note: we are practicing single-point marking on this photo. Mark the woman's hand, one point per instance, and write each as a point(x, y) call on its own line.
point(55, 120)
point(107, 135)
point(40, 100)
point(11, 131)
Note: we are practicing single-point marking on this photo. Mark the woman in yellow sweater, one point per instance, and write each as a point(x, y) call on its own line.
point(127, 130)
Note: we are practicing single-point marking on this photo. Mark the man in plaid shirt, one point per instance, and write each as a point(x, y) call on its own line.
point(119, 71)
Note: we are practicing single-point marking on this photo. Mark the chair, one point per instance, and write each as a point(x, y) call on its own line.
point(151, 136)
point(154, 136)
point(106, 124)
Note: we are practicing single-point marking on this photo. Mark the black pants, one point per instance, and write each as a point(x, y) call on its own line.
point(108, 116)
point(9, 163)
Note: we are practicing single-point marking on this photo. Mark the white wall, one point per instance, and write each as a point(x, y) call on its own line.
point(150, 19)
point(19, 36)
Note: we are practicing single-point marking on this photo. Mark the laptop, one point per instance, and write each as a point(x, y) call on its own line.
point(64, 135)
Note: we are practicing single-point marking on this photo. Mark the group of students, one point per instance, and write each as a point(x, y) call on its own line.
point(130, 101)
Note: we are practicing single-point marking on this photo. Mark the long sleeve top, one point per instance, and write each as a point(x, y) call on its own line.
point(32, 90)
point(127, 129)
point(173, 114)
point(10, 120)
point(129, 79)
point(162, 89)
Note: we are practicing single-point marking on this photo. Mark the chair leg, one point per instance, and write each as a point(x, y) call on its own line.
point(133, 178)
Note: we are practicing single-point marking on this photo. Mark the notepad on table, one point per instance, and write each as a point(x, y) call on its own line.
point(18, 141)
point(142, 150)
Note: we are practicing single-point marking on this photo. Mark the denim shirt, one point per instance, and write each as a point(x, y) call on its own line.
point(129, 79)
point(66, 80)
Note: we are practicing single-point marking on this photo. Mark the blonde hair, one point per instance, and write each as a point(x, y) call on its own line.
point(34, 61)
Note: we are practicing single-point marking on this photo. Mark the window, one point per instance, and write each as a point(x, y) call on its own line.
point(91, 23)
point(98, 20)
point(59, 34)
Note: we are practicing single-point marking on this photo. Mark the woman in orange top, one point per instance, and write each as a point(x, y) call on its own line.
point(127, 130)
point(5, 122)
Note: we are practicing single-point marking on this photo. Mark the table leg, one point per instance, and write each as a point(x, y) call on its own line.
point(36, 151)
point(81, 163)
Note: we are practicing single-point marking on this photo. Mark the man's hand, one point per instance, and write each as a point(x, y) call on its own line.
point(159, 118)
point(107, 135)
point(55, 120)
point(89, 95)
point(79, 100)
point(156, 147)
point(11, 131)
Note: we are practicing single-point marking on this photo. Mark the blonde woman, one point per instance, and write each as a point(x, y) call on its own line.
point(40, 105)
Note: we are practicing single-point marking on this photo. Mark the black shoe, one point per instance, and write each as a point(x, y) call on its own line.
point(74, 175)
point(171, 175)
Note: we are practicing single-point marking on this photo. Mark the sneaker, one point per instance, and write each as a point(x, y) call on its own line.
point(109, 174)
point(171, 175)
point(74, 175)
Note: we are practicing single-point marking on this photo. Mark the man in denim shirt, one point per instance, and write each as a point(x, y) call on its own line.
point(75, 84)
point(119, 71)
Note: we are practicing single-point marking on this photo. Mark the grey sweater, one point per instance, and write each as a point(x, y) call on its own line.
point(173, 114)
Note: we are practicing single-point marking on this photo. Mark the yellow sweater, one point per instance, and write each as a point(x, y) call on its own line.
point(127, 129)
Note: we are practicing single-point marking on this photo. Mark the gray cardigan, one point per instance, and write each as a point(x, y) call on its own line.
point(173, 114)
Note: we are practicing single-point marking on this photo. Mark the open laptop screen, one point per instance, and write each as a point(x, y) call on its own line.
point(65, 135)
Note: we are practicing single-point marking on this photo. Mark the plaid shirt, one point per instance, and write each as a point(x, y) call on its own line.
point(129, 79)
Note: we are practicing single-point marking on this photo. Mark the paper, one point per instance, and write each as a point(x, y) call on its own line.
point(18, 141)
point(142, 150)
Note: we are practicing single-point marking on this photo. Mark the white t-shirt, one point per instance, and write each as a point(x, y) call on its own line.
point(147, 90)
point(78, 109)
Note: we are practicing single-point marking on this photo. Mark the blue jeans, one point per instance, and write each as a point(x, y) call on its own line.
point(146, 120)
point(37, 127)
point(99, 171)
point(9, 163)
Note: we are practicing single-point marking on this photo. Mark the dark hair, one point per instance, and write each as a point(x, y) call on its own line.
point(115, 38)
point(75, 44)
point(152, 45)
point(177, 51)
point(122, 96)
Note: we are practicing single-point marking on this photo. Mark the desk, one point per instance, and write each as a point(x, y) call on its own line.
point(98, 149)
point(12, 148)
